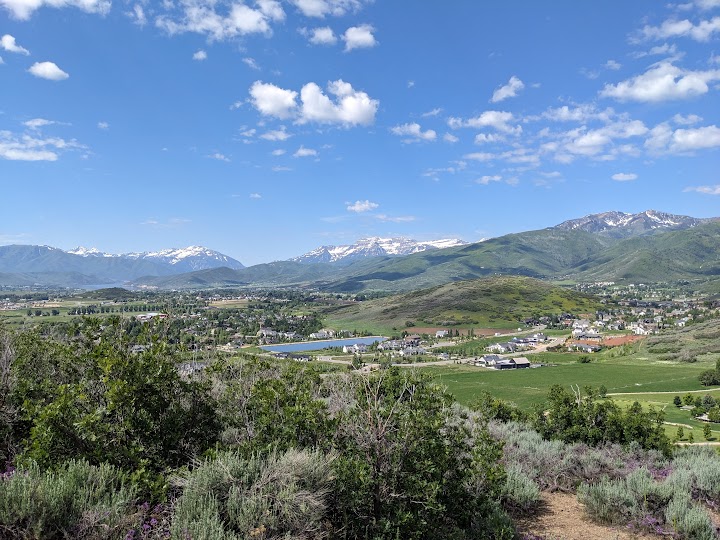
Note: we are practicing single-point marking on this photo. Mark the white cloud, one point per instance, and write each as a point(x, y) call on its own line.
point(23, 9)
point(305, 152)
point(251, 63)
point(200, 55)
point(103, 125)
point(485, 180)
point(395, 219)
point(449, 137)
point(688, 120)
point(684, 28)
point(138, 15)
point(410, 84)
point(483, 138)
point(219, 157)
point(255, 196)
point(499, 120)
point(578, 113)
point(359, 37)
point(48, 70)
point(414, 132)
point(278, 152)
point(361, 206)
point(323, 36)
point(1, 61)
point(624, 177)
point(272, 100)
point(687, 140)
point(320, 8)
point(236, 105)
point(37, 123)
point(707, 190)
point(436, 111)
point(662, 82)
point(201, 17)
point(511, 89)
point(279, 168)
point(29, 148)
point(613, 65)
point(171, 223)
point(8, 43)
point(352, 107)
point(276, 135)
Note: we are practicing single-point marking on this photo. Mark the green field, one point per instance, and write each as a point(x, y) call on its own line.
point(528, 387)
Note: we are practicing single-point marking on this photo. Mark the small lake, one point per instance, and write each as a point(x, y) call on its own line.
point(322, 344)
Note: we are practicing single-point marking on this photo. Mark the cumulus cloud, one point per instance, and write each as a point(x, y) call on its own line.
point(200, 55)
point(305, 152)
point(23, 9)
point(499, 120)
point(662, 82)
point(32, 148)
point(8, 43)
point(688, 120)
point(255, 196)
point(202, 17)
point(687, 140)
point(48, 70)
point(511, 89)
point(434, 112)
point(321, 8)
point(278, 152)
point(413, 132)
point(359, 37)
point(350, 108)
point(219, 157)
point(449, 137)
point(613, 65)
point(272, 100)
point(322, 36)
point(707, 190)
point(362, 206)
point(276, 134)
point(671, 28)
point(624, 177)
point(103, 125)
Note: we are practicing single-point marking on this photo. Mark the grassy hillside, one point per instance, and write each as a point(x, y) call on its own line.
point(688, 254)
point(497, 302)
point(540, 254)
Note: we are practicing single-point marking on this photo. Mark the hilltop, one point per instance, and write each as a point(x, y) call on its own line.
point(493, 302)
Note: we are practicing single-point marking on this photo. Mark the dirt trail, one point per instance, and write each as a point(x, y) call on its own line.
point(562, 517)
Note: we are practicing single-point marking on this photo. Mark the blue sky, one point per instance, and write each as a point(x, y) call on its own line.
point(266, 128)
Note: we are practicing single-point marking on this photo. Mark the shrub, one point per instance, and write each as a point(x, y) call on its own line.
point(608, 501)
point(691, 521)
point(519, 491)
point(76, 501)
point(280, 495)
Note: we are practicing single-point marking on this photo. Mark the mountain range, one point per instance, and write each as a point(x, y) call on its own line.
point(649, 246)
point(374, 247)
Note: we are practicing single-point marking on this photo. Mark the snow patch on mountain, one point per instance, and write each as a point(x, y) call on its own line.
point(189, 258)
point(622, 224)
point(375, 247)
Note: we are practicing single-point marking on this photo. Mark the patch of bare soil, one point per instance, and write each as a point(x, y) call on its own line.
point(562, 517)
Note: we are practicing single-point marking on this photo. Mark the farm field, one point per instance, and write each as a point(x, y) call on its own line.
point(529, 387)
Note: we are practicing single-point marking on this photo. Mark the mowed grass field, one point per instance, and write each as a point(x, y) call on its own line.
point(528, 387)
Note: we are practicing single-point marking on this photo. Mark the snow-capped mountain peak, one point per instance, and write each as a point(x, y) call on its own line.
point(621, 224)
point(374, 246)
point(89, 252)
point(186, 259)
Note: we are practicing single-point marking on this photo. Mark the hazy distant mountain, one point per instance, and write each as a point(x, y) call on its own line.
point(187, 259)
point(83, 266)
point(374, 247)
point(622, 225)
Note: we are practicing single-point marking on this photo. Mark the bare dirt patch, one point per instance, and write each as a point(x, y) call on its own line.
point(562, 517)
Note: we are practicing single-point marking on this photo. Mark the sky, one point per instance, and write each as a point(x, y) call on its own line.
point(264, 129)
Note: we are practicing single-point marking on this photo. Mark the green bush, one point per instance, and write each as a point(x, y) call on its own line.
point(608, 501)
point(519, 491)
point(276, 496)
point(76, 501)
point(688, 519)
